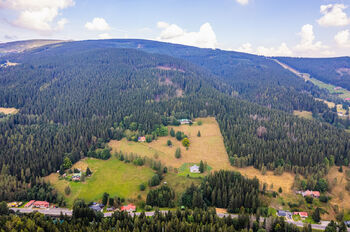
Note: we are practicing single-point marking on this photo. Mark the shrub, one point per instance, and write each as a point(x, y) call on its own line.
point(169, 143)
point(172, 132)
point(309, 199)
point(138, 161)
point(186, 142)
point(178, 153)
point(148, 208)
point(142, 187)
point(324, 198)
point(67, 190)
point(154, 181)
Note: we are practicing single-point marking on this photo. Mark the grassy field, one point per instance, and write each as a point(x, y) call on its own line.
point(209, 147)
point(340, 196)
point(111, 176)
point(303, 114)
point(342, 93)
point(8, 110)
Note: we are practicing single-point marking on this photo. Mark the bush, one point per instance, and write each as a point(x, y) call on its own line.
point(309, 199)
point(148, 208)
point(169, 143)
point(67, 190)
point(280, 190)
point(324, 198)
point(178, 153)
point(142, 187)
point(172, 132)
point(179, 135)
point(186, 142)
point(138, 161)
point(149, 138)
point(154, 181)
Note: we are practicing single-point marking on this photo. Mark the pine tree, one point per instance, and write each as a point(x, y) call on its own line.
point(88, 171)
point(178, 153)
point(172, 132)
point(201, 167)
point(316, 215)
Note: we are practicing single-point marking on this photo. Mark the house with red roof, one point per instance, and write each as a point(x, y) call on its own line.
point(310, 193)
point(301, 214)
point(30, 203)
point(129, 208)
point(141, 139)
point(41, 204)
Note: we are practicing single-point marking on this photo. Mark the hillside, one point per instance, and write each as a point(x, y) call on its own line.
point(335, 71)
point(21, 46)
point(74, 97)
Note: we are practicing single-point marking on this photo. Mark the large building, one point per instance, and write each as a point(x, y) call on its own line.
point(41, 204)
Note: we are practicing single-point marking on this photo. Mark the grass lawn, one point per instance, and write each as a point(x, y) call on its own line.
point(111, 176)
point(209, 147)
point(184, 170)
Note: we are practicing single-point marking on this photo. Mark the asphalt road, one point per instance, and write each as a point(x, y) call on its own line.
point(57, 212)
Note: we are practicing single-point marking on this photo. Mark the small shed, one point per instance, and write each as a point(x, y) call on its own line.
point(194, 169)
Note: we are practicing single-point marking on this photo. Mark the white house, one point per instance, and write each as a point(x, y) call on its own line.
point(194, 169)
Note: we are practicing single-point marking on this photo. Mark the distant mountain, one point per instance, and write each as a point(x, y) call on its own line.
point(335, 71)
point(20, 46)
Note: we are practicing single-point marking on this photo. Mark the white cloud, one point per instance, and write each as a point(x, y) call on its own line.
point(97, 24)
point(333, 15)
point(307, 38)
point(342, 38)
point(104, 36)
point(61, 23)
point(282, 50)
point(243, 2)
point(162, 25)
point(246, 47)
point(37, 15)
point(204, 38)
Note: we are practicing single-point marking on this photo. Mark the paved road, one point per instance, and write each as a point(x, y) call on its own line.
point(57, 212)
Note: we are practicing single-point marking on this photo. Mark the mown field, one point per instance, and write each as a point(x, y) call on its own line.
point(209, 148)
point(8, 110)
point(112, 176)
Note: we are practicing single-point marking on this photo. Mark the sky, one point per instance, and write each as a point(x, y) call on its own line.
point(301, 28)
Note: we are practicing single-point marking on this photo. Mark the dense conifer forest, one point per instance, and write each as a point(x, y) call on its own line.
point(84, 219)
point(75, 96)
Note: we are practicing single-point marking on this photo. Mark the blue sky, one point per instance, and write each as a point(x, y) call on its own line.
point(268, 27)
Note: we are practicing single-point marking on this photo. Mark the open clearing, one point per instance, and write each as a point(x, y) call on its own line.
point(8, 110)
point(209, 147)
point(340, 196)
point(303, 114)
point(340, 92)
point(112, 176)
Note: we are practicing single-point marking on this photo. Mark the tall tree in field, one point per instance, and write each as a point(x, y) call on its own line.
point(178, 153)
point(105, 198)
point(201, 166)
point(186, 142)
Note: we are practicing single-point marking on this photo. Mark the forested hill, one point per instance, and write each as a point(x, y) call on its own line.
point(255, 78)
point(335, 71)
point(74, 96)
